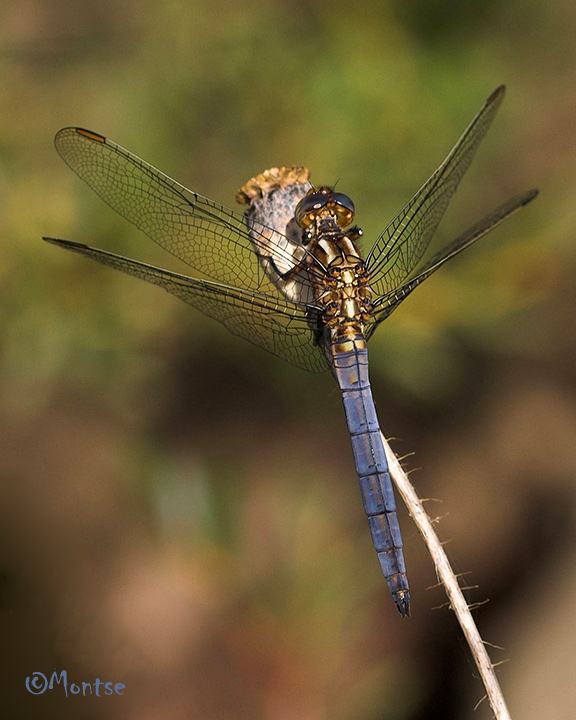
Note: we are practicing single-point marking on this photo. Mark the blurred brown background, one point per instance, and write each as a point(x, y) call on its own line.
point(179, 510)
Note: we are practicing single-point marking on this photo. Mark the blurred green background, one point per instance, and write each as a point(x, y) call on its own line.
point(180, 510)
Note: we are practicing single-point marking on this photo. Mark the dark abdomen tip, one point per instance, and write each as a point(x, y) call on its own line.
point(402, 600)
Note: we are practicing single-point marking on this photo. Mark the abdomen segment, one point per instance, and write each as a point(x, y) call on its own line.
point(351, 371)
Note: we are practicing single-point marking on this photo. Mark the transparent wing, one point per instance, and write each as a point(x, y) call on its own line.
point(209, 237)
point(276, 325)
point(401, 246)
point(386, 304)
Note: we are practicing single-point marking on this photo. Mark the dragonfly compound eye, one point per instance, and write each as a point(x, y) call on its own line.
point(309, 207)
point(343, 208)
point(337, 204)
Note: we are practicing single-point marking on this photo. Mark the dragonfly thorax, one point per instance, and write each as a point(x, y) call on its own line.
point(345, 297)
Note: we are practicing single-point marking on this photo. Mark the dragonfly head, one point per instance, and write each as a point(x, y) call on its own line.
point(324, 202)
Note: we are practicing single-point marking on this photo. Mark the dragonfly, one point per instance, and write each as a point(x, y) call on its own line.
point(289, 276)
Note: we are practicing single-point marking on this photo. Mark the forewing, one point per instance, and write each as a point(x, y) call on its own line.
point(386, 304)
point(204, 234)
point(401, 246)
point(278, 326)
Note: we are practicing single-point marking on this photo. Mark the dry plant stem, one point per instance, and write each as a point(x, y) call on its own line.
point(448, 579)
